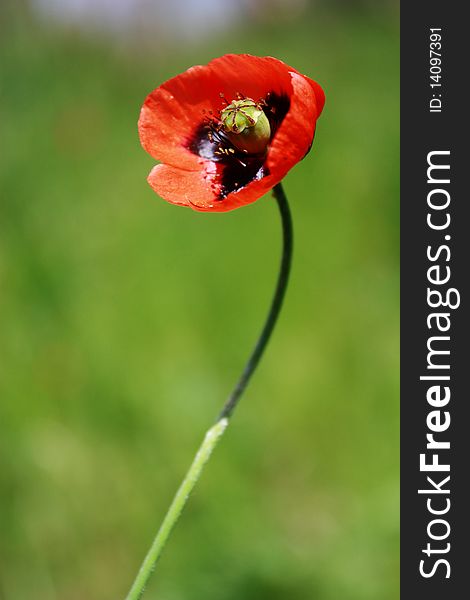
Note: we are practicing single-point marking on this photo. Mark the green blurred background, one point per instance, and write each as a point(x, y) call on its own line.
point(124, 321)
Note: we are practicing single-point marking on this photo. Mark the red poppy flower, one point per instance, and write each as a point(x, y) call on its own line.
point(202, 126)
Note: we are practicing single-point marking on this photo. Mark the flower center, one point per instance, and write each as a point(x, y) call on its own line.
point(246, 125)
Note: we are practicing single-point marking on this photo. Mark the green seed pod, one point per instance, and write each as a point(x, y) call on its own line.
point(246, 126)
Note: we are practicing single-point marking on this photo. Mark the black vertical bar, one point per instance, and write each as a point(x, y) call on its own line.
point(434, 119)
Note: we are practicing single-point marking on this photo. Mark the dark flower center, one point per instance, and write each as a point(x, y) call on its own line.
point(236, 168)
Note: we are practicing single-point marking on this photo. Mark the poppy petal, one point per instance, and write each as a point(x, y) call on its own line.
point(251, 76)
point(319, 94)
point(201, 192)
point(295, 135)
point(186, 188)
point(170, 112)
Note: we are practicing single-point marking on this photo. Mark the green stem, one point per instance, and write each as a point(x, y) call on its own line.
point(276, 303)
point(216, 431)
point(210, 441)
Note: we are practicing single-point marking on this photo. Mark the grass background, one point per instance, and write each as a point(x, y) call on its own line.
point(124, 322)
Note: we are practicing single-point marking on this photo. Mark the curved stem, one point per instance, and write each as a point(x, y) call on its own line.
point(216, 431)
point(276, 304)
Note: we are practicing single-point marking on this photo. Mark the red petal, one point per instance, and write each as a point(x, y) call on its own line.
point(294, 137)
point(317, 89)
point(251, 76)
point(196, 189)
point(319, 95)
point(199, 190)
point(190, 188)
point(171, 113)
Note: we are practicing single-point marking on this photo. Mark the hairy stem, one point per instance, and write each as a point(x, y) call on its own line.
point(214, 434)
